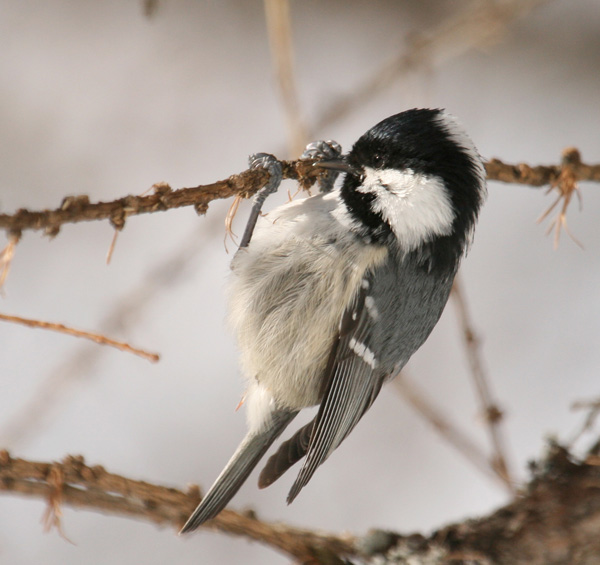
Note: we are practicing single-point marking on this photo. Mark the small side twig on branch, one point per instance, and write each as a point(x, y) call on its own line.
point(593, 412)
point(563, 179)
point(6, 257)
point(79, 208)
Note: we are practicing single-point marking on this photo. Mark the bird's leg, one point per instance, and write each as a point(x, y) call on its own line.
point(271, 164)
point(324, 150)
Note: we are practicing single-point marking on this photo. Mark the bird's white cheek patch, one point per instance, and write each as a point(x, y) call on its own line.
point(416, 206)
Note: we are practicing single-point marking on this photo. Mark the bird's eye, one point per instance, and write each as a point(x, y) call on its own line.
point(377, 160)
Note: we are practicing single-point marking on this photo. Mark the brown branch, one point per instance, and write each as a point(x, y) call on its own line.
point(542, 175)
point(79, 209)
point(556, 520)
point(94, 488)
point(98, 338)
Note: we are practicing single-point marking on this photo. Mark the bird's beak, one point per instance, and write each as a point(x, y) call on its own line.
point(340, 164)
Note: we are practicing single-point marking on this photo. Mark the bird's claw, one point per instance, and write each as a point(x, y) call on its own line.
point(324, 150)
point(275, 169)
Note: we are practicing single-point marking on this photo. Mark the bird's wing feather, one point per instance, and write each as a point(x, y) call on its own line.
point(354, 382)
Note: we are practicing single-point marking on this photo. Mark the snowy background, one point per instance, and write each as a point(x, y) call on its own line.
point(98, 99)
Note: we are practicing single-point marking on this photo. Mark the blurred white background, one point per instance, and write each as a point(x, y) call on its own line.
point(97, 98)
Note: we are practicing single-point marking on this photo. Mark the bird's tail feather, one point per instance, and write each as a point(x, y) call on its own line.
point(289, 453)
point(245, 458)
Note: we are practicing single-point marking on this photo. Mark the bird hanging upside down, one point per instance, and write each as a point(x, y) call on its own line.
point(332, 294)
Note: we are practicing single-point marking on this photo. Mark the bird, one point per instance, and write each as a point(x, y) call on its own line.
point(330, 295)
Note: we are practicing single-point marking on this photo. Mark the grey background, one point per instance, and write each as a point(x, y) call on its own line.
point(97, 99)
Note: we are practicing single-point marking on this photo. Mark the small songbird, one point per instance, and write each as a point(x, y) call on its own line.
point(330, 295)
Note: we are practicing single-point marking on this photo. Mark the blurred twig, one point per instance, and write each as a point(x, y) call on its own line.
point(478, 25)
point(446, 429)
point(593, 412)
point(6, 257)
point(279, 26)
point(98, 338)
point(490, 410)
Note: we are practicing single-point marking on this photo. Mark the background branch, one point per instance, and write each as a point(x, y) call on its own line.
point(279, 26)
point(475, 26)
point(96, 337)
point(490, 411)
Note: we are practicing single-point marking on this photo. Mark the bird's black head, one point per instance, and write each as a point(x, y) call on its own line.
point(416, 176)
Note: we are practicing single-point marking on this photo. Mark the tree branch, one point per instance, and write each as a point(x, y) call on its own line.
point(94, 488)
point(556, 519)
point(79, 208)
point(543, 174)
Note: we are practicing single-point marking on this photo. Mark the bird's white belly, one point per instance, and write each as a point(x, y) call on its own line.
point(286, 302)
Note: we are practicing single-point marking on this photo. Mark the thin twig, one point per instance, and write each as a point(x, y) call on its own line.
point(566, 186)
point(6, 257)
point(98, 338)
point(447, 430)
point(490, 410)
point(593, 412)
point(111, 247)
point(123, 314)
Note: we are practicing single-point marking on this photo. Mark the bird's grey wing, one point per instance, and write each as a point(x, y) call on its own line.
point(245, 458)
point(353, 382)
point(408, 305)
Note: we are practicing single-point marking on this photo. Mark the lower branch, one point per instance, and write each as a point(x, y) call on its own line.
point(76, 484)
point(555, 519)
